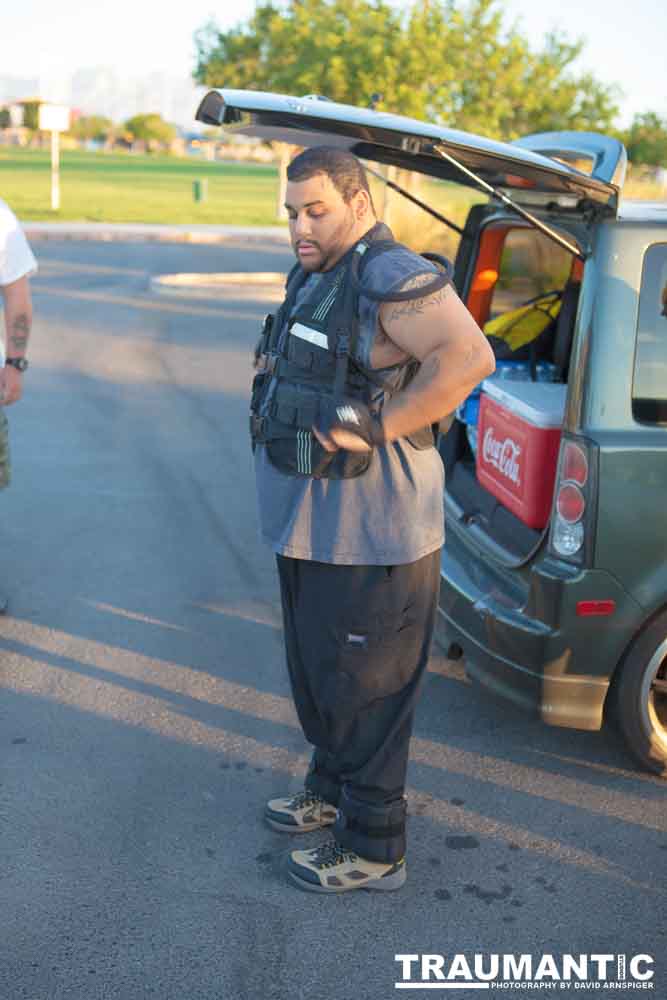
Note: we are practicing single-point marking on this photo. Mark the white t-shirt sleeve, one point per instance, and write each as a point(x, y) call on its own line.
point(16, 258)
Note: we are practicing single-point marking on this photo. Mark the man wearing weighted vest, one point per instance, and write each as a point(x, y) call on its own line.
point(369, 351)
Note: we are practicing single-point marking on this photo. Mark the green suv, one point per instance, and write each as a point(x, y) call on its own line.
point(554, 573)
point(569, 619)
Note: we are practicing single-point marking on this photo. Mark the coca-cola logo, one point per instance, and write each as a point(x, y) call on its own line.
point(502, 455)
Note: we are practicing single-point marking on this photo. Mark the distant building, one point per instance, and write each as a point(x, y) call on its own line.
point(102, 90)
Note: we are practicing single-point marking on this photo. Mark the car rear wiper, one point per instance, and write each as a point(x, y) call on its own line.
point(547, 230)
point(415, 201)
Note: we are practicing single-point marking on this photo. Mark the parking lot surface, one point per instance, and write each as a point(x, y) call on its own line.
point(145, 714)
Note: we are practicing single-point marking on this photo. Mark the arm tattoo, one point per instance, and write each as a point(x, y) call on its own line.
point(20, 331)
point(430, 367)
point(468, 360)
point(416, 307)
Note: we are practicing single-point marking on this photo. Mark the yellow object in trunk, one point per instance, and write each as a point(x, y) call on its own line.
point(525, 324)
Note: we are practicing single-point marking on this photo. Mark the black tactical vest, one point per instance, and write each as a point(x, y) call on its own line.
point(305, 358)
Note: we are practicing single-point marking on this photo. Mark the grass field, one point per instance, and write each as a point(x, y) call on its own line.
point(122, 187)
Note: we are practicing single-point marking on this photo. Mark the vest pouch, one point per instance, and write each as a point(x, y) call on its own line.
point(421, 439)
point(295, 406)
point(303, 455)
point(310, 357)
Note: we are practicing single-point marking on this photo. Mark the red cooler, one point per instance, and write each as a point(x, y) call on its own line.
point(518, 440)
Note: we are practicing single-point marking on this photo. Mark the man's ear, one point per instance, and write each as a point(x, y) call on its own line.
point(361, 204)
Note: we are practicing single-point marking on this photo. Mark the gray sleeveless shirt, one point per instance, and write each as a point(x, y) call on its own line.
point(394, 512)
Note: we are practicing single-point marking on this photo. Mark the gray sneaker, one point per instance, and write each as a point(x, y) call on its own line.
point(299, 814)
point(333, 868)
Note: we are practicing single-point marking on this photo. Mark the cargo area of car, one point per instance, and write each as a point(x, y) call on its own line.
point(512, 266)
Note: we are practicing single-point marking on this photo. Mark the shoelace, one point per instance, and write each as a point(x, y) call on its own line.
point(306, 798)
point(332, 854)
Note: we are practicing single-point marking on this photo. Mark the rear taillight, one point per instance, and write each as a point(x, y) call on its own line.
point(570, 503)
point(575, 464)
point(572, 521)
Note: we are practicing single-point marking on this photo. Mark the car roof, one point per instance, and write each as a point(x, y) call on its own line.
point(643, 211)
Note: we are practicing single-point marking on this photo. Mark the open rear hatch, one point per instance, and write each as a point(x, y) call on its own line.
point(527, 167)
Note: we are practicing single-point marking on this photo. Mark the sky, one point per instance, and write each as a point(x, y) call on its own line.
point(48, 40)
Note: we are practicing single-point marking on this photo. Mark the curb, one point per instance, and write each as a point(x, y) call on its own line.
point(266, 285)
point(148, 232)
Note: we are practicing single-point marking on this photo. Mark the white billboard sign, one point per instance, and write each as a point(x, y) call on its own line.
point(54, 117)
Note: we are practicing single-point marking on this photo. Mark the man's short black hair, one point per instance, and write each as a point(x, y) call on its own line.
point(346, 172)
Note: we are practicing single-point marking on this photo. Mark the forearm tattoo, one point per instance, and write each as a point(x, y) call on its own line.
point(19, 332)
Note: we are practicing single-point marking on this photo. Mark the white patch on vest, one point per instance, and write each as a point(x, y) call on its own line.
point(347, 414)
point(312, 336)
point(304, 452)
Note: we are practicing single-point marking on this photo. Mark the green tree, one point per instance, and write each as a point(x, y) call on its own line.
point(91, 127)
point(31, 114)
point(5, 118)
point(445, 60)
point(150, 128)
point(646, 140)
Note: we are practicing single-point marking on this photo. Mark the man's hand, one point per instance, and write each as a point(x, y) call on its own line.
point(11, 385)
point(348, 424)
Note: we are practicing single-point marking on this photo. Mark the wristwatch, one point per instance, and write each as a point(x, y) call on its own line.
point(19, 363)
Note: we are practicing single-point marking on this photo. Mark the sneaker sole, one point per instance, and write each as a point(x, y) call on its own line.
point(290, 828)
point(387, 884)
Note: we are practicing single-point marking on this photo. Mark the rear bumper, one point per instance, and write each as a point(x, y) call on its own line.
point(522, 638)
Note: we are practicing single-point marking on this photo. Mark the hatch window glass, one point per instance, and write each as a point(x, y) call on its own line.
point(531, 264)
point(649, 389)
point(580, 161)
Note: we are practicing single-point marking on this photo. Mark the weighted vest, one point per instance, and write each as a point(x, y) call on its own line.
point(306, 357)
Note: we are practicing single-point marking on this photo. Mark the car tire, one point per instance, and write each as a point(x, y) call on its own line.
point(640, 696)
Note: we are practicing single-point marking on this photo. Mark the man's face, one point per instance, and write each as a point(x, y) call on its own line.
point(322, 226)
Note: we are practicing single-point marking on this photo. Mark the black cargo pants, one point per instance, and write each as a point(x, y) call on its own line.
point(357, 640)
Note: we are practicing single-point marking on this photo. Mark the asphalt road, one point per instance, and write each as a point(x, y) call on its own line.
point(145, 713)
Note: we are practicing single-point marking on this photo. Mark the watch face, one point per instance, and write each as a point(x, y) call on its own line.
point(20, 363)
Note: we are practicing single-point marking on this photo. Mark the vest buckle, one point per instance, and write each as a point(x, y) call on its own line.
point(257, 427)
point(342, 345)
point(266, 363)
